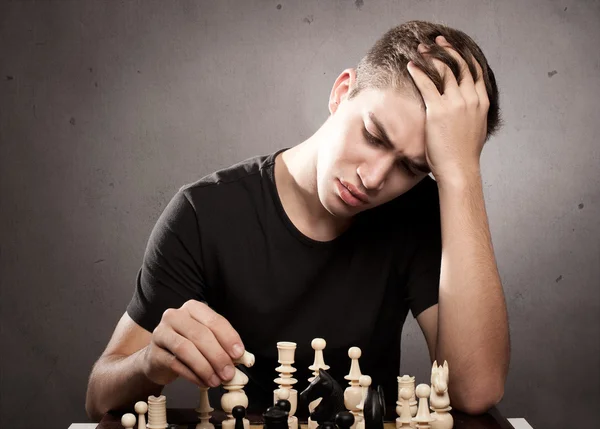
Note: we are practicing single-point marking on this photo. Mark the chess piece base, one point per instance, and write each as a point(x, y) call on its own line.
point(230, 424)
point(443, 420)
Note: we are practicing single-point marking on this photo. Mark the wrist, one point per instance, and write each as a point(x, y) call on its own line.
point(142, 365)
point(458, 177)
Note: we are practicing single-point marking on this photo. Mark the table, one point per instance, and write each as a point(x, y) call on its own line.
point(187, 419)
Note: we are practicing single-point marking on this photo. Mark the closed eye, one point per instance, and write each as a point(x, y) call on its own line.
point(371, 138)
point(377, 142)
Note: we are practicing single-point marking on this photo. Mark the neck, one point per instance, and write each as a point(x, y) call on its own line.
point(296, 179)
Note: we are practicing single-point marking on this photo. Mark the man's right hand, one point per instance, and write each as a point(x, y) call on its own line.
point(194, 342)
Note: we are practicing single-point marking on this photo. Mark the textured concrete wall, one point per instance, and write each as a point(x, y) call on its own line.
point(108, 107)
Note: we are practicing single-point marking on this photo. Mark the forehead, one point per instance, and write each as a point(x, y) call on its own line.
point(402, 116)
point(392, 105)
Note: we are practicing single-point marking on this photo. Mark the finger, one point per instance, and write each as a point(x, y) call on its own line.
point(225, 334)
point(205, 341)
point(451, 88)
point(426, 87)
point(168, 360)
point(480, 86)
point(449, 85)
point(467, 86)
point(187, 353)
point(465, 74)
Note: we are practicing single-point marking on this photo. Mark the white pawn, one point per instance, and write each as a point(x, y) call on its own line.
point(318, 345)
point(141, 408)
point(423, 417)
point(353, 393)
point(128, 421)
point(404, 418)
point(365, 383)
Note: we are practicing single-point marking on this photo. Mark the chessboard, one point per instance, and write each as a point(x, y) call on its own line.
point(186, 418)
point(360, 405)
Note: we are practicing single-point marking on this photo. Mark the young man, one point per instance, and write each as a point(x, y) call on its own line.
point(338, 237)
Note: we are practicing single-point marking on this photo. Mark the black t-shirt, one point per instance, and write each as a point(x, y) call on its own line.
point(227, 241)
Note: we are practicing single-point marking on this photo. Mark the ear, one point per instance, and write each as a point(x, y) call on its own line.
point(341, 89)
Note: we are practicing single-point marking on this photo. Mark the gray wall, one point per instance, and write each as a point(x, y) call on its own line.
point(108, 107)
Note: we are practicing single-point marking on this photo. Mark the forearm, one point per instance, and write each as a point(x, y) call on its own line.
point(117, 382)
point(472, 320)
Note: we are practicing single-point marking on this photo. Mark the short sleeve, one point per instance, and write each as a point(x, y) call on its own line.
point(423, 280)
point(171, 272)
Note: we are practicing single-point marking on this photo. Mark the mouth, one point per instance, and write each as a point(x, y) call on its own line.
point(351, 195)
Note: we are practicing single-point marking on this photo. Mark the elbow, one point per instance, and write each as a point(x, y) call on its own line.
point(94, 413)
point(481, 399)
point(481, 405)
point(93, 408)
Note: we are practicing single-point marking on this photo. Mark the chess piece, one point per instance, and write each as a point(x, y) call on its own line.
point(204, 410)
point(344, 420)
point(408, 382)
point(141, 408)
point(238, 412)
point(318, 345)
point(374, 408)
point(423, 418)
point(353, 393)
point(331, 393)
point(128, 421)
point(247, 359)
point(157, 412)
point(404, 419)
point(286, 382)
point(364, 382)
point(283, 404)
point(439, 399)
point(275, 418)
point(235, 394)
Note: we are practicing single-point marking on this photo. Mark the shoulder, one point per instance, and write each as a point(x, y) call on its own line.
point(241, 178)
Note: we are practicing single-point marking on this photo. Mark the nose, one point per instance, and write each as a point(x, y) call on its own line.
point(374, 173)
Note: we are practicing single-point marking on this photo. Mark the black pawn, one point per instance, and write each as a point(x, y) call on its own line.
point(275, 418)
point(344, 419)
point(326, 425)
point(284, 405)
point(239, 412)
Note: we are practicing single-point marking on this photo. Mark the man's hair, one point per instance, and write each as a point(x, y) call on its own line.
point(384, 66)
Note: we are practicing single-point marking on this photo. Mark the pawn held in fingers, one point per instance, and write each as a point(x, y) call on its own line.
point(225, 334)
point(202, 339)
point(173, 352)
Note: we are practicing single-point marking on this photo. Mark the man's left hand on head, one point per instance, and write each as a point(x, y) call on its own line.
point(456, 121)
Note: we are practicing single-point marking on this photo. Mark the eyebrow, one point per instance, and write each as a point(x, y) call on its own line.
point(415, 165)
